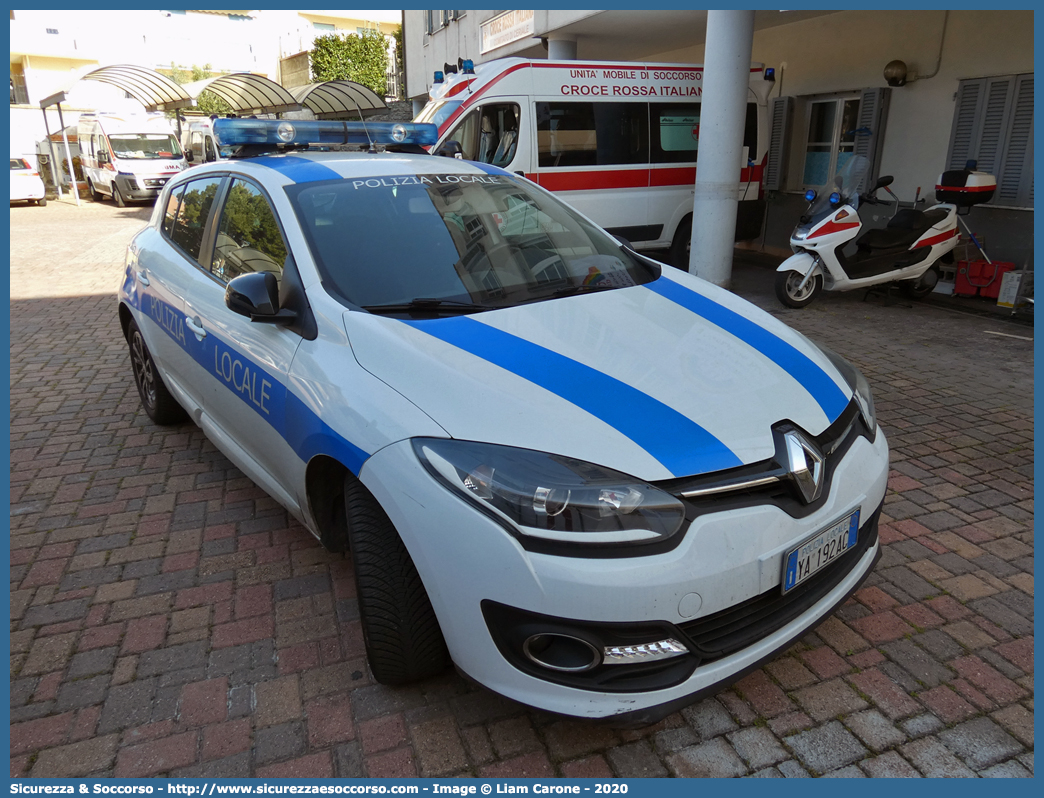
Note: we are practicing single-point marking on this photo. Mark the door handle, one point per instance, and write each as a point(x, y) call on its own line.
point(195, 326)
point(142, 277)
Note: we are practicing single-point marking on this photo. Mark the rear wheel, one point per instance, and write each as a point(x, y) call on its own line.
point(403, 640)
point(42, 201)
point(95, 195)
point(679, 256)
point(117, 197)
point(922, 286)
point(158, 402)
point(790, 293)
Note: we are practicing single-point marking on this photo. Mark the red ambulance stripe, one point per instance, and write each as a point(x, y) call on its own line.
point(587, 181)
point(938, 239)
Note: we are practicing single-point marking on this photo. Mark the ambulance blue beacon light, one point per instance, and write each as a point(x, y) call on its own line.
point(236, 132)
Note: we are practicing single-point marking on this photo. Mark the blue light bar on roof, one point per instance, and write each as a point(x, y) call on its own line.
point(236, 132)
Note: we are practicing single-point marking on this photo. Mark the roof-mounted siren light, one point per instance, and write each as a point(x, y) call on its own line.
point(468, 66)
point(440, 77)
point(302, 132)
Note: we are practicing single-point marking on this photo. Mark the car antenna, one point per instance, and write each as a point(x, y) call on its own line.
point(373, 147)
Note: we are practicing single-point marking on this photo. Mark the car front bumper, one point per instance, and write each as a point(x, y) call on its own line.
point(468, 561)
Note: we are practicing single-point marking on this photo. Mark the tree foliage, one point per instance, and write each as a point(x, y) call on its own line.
point(207, 102)
point(362, 58)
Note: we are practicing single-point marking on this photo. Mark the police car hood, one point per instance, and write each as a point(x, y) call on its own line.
point(673, 378)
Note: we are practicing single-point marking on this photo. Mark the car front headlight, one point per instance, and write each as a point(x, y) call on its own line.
point(551, 497)
point(857, 382)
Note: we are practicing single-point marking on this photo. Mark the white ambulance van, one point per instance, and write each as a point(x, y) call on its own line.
point(617, 141)
point(128, 157)
point(198, 141)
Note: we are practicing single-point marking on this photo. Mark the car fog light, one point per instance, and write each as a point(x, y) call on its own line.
point(286, 132)
point(646, 652)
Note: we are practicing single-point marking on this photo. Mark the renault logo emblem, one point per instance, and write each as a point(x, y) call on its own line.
point(804, 464)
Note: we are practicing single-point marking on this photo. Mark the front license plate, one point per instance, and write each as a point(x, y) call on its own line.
point(815, 553)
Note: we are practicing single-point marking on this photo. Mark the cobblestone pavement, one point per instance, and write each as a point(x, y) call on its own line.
point(168, 618)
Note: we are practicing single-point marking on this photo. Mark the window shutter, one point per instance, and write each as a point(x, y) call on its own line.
point(996, 107)
point(1015, 173)
point(873, 111)
point(779, 129)
point(966, 123)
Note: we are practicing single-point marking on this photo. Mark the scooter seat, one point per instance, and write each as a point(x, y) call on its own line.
point(903, 229)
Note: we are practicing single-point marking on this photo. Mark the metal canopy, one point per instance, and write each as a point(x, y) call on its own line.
point(153, 90)
point(247, 93)
point(338, 99)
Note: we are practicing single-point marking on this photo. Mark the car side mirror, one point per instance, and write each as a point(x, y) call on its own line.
point(256, 296)
point(103, 157)
point(189, 156)
point(451, 149)
point(623, 242)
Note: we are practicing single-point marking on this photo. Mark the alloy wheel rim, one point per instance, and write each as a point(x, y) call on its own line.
point(794, 281)
point(143, 375)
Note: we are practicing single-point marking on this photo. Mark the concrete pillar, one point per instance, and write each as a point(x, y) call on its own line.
point(726, 76)
point(561, 49)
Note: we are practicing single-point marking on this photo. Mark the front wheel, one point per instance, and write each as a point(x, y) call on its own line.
point(118, 197)
point(42, 201)
point(922, 286)
point(679, 255)
point(403, 640)
point(789, 292)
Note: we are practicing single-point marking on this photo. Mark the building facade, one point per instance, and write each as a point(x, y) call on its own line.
point(967, 93)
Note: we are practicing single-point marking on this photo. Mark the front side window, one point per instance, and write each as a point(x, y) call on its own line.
point(170, 213)
point(144, 146)
point(248, 236)
point(486, 240)
point(489, 134)
point(592, 134)
point(197, 200)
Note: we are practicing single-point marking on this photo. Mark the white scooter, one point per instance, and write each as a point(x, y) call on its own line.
point(830, 253)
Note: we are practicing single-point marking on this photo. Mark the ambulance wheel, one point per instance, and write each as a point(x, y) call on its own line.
point(160, 406)
point(787, 292)
point(922, 286)
point(679, 256)
point(117, 197)
point(403, 640)
point(42, 201)
point(95, 194)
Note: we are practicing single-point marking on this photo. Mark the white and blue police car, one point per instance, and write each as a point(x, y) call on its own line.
point(595, 486)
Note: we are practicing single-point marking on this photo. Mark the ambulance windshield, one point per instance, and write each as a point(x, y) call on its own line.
point(438, 111)
point(144, 145)
point(455, 243)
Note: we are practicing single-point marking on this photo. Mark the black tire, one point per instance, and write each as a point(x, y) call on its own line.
point(922, 286)
point(95, 194)
point(117, 197)
point(42, 201)
point(679, 255)
point(787, 293)
point(403, 640)
point(158, 402)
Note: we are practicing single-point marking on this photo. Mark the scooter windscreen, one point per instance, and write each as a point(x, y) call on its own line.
point(844, 188)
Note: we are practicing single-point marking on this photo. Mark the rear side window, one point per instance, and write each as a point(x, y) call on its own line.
point(191, 220)
point(592, 134)
point(676, 131)
point(171, 211)
point(248, 237)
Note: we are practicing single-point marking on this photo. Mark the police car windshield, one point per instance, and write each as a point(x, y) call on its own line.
point(485, 240)
point(144, 145)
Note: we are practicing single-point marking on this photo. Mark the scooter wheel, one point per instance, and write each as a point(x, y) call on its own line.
point(787, 284)
point(922, 286)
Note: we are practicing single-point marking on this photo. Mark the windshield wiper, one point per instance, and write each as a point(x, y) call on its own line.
point(583, 289)
point(429, 303)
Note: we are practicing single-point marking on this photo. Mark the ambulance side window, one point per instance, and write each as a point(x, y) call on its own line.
point(676, 129)
point(592, 134)
point(196, 145)
point(466, 134)
point(489, 134)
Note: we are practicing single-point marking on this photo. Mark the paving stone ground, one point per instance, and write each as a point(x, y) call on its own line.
point(169, 618)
